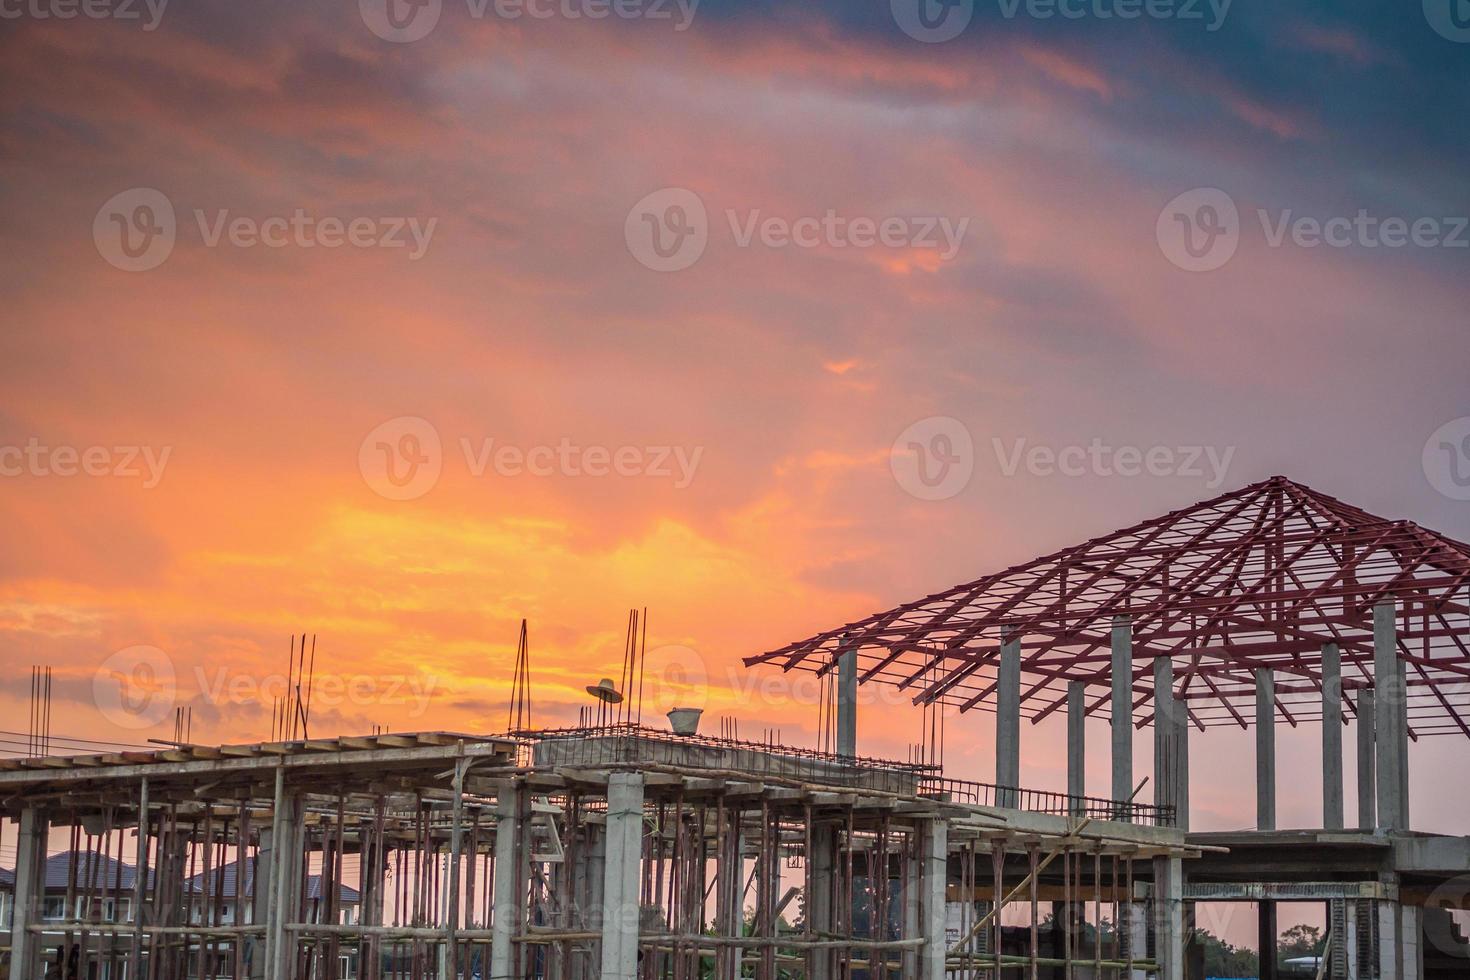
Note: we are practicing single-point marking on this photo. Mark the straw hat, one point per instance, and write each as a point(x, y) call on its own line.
point(604, 690)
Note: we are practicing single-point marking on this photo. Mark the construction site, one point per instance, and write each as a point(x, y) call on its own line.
point(620, 848)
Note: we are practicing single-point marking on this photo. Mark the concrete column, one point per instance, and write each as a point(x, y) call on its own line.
point(1265, 750)
point(1331, 737)
point(1367, 739)
point(1169, 917)
point(1122, 708)
point(847, 703)
point(260, 908)
point(1181, 788)
point(1390, 942)
point(1411, 928)
point(1165, 739)
point(507, 887)
point(819, 903)
point(936, 863)
point(284, 900)
point(1267, 931)
point(30, 862)
point(620, 881)
point(1008, 720)
point(1077, 742)
point(1392, 735)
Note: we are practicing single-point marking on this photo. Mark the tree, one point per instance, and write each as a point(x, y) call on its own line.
point(1225, 960)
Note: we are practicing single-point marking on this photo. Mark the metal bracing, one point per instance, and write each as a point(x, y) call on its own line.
point(1257, 579)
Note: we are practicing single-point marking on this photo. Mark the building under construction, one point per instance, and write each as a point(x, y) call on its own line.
point(620, 851)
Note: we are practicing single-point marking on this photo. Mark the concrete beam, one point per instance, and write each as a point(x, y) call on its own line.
point(1008, 720)
point(1331, 737)
point(620, 881)
point(1077, 741)
point(847, 703)
point(1122, 707)
point(1367, 739)
point(1265, 749)
point(1393, 733)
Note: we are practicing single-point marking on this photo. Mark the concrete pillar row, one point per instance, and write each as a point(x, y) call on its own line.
point(30, 862)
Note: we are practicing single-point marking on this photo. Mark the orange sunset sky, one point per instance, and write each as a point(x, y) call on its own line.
point(260, 380)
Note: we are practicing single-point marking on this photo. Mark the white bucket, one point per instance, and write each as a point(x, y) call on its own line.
point(685, 721)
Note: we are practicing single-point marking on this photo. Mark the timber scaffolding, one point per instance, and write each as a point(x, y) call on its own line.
point(614, 852)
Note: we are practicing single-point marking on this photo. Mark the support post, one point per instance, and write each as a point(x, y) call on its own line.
point(1166, 740)
point(1008, 720)
point(1169, 917)
point(506, 904)
point(819, 903)
point(1367, 739)
point(936, 862)
point(847, 704)
point(260, 908)
point(1393, 732)
point(1181, 750)
point(620, 880)
point(1331, 737)
point(30, 860)
point(1267, 933)
point(1122, 709)
point(1077, 744)
point(1265, 750)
